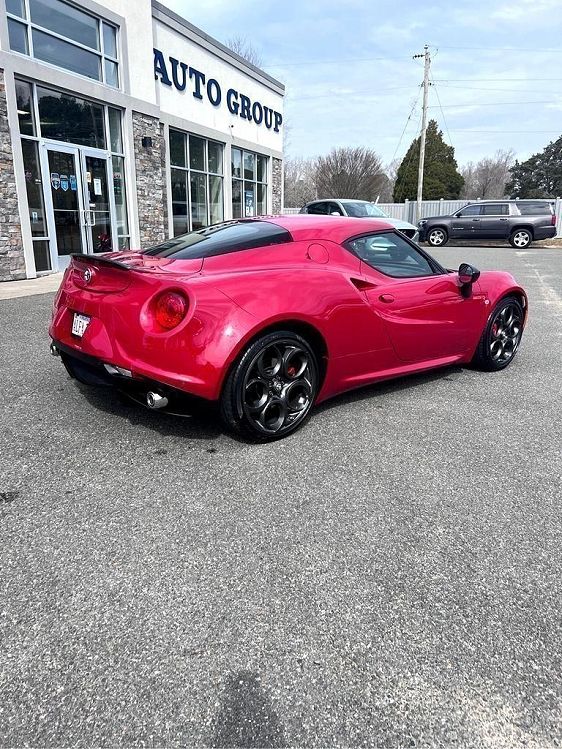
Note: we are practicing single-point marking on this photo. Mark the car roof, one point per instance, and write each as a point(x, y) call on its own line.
point(511, 200)
point(339, 200)
point(304, 227)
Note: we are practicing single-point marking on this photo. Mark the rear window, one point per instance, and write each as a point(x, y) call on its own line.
point(535, 209)
point(221, 239)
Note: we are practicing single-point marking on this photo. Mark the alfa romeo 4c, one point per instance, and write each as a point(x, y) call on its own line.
point(266, 317)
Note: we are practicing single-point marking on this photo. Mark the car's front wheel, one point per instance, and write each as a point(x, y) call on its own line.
point(502, 335)
point(437, 237)
point(270, 390)
point(521, 238)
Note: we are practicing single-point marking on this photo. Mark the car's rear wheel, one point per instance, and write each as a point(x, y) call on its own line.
point(270, 390)
point(521, 238)
point(502, 335)
point(437, 237)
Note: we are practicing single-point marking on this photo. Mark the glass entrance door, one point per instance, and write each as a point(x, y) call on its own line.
point(66, 199)
point(80, 205)
point(98, 214)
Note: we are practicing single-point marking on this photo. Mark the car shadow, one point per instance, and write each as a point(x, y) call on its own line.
point(204, 422)
point(379, 389)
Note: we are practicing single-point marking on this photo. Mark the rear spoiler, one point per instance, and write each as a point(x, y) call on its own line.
point(99, 261)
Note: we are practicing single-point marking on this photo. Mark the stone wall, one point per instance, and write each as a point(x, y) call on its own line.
point(12, 263)
point(277, 186)
point(151, 179)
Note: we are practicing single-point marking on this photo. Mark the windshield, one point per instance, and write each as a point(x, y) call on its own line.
point(359, 210)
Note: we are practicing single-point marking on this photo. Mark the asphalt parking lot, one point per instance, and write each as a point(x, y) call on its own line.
point(389, 576)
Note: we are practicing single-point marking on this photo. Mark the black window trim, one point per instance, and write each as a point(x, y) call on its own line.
point(437, 267)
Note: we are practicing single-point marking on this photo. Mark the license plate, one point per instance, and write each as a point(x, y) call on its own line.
point(79, 324)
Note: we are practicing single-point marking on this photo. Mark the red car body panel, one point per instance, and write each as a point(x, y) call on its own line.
point(371, 326)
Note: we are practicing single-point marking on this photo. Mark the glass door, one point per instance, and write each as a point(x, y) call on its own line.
point(61, 169)
point(98, 201)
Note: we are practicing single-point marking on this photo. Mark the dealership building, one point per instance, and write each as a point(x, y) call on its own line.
point(122, 124)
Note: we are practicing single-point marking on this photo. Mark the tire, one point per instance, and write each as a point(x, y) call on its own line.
point(520, 238)
point(271, 389)
point(437, 237)
point(501, 337)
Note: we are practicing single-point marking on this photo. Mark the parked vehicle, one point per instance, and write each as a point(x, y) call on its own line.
point(519, 221)
point(266, 317)
point(358, 209)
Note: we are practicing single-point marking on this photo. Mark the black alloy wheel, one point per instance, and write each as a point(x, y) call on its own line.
point(270, 392)
point(502, 335)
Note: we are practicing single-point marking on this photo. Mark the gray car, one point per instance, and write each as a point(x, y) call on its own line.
point(358, 209)
point(517, 221)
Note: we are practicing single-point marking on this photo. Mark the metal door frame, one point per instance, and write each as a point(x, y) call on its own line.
point(60, 262)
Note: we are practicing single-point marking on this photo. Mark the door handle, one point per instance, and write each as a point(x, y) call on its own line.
point(503, 219)
point(476, 219)
point(386, 298)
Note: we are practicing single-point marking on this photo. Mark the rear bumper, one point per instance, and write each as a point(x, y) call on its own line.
point(544, 232)
point(93, 371)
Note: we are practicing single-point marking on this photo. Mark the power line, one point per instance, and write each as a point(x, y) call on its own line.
point(412, 110)
point(442, 112)
point(492, 103)
point(495, 80)
point(502, 49)
point(332, 62)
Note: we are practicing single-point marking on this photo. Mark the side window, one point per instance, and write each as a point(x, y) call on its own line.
point(318, 208)
point(535, 209)
point(495, 209)
point(391, 255)
point(334, 208)
point(470, 210)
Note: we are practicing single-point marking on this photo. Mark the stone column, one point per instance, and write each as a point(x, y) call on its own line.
point(12, 262)
point(151, 179)
point(276, 186)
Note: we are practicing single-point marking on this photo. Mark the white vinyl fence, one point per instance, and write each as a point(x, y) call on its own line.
point(407, 211)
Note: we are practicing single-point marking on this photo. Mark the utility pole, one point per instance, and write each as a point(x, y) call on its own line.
point(427, 62)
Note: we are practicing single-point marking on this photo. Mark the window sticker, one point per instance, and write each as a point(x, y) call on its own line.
point(97, 186)
point(64, 182)
point(73, 182)
point(55, 180)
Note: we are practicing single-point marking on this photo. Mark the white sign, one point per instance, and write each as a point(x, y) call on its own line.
point(97, 186)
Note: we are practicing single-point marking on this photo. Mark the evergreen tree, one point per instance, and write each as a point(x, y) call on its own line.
point(540, 176)
point(441, 177)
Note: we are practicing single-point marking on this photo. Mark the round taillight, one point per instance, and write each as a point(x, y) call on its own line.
point(171, 308)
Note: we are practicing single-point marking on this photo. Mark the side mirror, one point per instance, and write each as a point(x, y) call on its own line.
point(467, 276)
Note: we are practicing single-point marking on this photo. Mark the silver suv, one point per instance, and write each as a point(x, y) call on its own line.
point(518, 221)
point(358, 209)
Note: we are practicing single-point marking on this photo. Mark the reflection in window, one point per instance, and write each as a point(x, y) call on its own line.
point(196, 181)
point(391, 255)
point(25, 107)
point(249, 196)
point(68, 118)
point(66, 36)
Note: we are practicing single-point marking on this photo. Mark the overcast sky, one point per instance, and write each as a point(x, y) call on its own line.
point(350, 78)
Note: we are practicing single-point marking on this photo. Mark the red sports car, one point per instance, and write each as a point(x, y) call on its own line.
point(267, 316)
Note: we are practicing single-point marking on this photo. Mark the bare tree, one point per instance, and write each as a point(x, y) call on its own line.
point(350, 173)
point(242, 47)
point(488, 177)
point(299, 182)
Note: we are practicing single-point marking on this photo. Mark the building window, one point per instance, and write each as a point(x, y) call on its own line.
point(64, 35)
point(84, 125)
point(196, 178)
point(249, 183)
